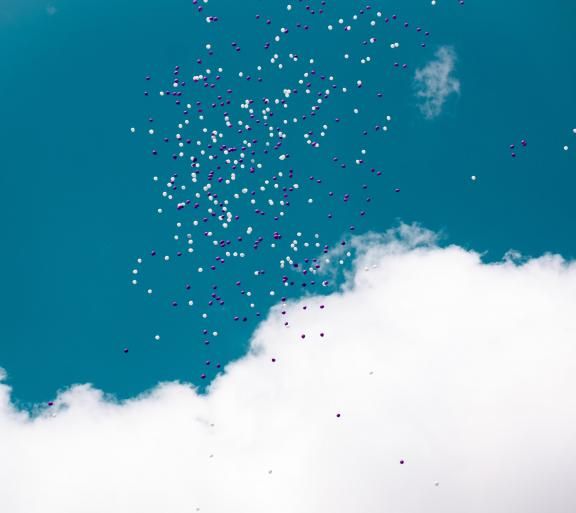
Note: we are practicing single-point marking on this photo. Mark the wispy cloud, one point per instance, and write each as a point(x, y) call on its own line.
point(464, 370)
point(51, 10)
point(435, 83)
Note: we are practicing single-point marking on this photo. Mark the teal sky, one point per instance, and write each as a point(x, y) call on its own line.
point(79, 203)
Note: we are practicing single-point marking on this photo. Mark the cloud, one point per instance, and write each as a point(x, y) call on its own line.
point(51, 10)
point(464, 370)
point(434, 82)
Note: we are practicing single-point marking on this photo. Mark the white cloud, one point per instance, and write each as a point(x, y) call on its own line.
point(435, 82)
point(51, 10)
point(465, 370)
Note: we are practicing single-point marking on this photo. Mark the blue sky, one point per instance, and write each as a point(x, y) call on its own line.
point(79, 204)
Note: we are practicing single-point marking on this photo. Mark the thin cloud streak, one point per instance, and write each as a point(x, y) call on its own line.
point(435, 83)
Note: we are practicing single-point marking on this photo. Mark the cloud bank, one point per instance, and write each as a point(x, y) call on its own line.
point(435, 83)
point(465, 371)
